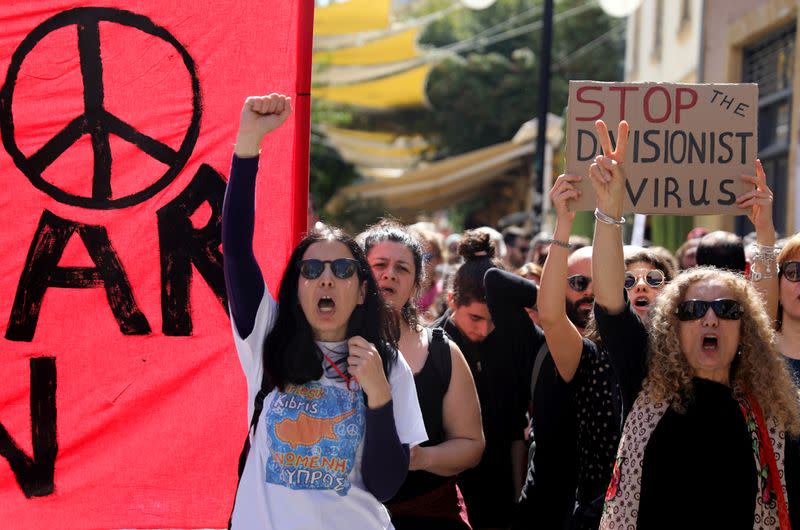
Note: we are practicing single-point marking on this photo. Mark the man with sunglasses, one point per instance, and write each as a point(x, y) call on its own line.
point(580, 292)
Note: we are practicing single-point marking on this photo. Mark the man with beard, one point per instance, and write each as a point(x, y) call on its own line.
point(580, 295)
point(548, 495)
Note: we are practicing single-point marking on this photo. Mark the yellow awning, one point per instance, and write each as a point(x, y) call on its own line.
point(406, 89)
point(377, 143)
point(353, 16)
point(398, 47)
point(439, 184)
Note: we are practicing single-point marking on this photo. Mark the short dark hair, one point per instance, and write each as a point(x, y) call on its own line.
point(290, 353)
point(511, 233)
point(390, 230)
point(722, 250)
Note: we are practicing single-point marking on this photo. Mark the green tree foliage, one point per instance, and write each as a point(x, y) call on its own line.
point(328, 171)
point(483, 95)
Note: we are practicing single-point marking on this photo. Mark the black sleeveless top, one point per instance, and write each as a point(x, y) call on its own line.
point(432, 383)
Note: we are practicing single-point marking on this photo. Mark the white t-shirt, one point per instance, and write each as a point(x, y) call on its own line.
point(304, 466)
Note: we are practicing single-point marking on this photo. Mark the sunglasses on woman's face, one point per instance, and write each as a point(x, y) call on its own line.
point(342, 268)
point(791, 271)
point(579, 282)
point(722, 307)
point(653, 278)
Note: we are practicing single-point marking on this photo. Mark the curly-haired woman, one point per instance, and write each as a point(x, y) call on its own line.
point(711, 440)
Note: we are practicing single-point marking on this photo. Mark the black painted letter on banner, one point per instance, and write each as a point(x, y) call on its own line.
point(42, 271)
point(183, 246)
point(36, 475)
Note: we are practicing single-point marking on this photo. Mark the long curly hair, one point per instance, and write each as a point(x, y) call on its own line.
point(758, 370)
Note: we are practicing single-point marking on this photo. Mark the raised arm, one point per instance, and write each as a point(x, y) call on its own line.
point(608, 265)
point(243, 279)
point(507, 295)
point(461, 416)
point(563, 338)
point(763, 270)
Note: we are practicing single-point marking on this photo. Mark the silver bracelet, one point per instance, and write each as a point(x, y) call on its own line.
point(766, 257)
point(559, 243)
point(607, 219)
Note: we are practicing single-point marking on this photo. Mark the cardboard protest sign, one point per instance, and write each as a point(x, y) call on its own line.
point(688, 144)
point(122, 401)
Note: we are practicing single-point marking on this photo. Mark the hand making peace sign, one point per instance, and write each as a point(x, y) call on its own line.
point(607, 172)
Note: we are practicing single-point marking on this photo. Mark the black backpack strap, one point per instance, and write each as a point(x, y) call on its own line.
point(543, 352)
point(258, 406)
point(439, 353)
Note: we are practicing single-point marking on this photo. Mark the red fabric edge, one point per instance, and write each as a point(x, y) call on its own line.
point(302, 131)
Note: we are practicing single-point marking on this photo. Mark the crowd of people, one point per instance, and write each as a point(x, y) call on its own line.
point(487, 380)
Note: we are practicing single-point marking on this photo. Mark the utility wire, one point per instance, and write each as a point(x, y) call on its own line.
point(478, 41)
point(589, 46)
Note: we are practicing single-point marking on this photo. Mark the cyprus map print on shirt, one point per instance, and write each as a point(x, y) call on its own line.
point(313, 433)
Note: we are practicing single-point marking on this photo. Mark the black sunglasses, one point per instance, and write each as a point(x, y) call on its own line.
point(791, 271)
point(579, 282)
point(653, 278)
point(342, 268)
point(723, 308)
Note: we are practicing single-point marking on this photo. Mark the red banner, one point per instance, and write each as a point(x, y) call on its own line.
point(122, 403)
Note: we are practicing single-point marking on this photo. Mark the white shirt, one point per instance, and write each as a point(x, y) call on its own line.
point(304, 466)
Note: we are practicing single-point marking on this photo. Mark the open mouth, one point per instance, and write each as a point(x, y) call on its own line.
point(326, 304)
point(387, 290)
point(710, 342)
point(641, 302)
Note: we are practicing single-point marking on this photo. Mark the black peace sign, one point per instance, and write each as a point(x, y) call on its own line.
point(96, 121)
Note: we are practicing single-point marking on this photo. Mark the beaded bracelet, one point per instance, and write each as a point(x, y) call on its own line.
point(562, 244)
point(607, 219)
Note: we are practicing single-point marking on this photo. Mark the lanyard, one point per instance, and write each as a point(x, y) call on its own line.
point(344, 376)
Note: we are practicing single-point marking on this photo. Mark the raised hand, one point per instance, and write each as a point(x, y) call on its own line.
point(607, 173)
point(564, 189)
point(260, 115)
point(759, 202)
point(365, 364)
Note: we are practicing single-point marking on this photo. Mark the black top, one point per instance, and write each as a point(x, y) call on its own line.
point(601, 405)
point(700, 463)
point(432, 383)
point(487, 488)
point(598, 422)
point(504, 381)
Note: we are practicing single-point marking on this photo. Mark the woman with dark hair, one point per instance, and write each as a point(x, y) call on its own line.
point(429, 498)
point(332, 406)
point(646, 272)
point(486, 318)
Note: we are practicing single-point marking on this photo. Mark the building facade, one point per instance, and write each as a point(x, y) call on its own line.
point(729, 41)
point(755, 41)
